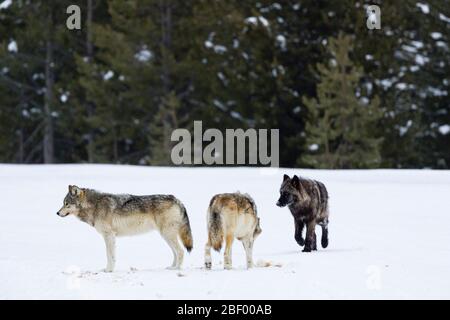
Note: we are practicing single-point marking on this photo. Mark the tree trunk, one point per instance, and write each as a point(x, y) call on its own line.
point(89, 54)
point(166, 39)
point(328, 161)
point(20, 155)
point(115, 145)
point(48, 140)
point(20, 151)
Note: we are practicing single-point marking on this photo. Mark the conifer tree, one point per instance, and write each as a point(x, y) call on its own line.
point(340, 126)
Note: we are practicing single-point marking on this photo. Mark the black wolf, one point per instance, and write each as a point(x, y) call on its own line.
point(308, 202)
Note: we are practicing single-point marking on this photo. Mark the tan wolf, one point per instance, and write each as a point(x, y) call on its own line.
point(123, 215)
point(231, 215)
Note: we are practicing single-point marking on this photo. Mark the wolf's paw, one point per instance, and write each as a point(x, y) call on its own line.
point(107, 270)
point(228, 267)
point(306, 249)
point(173, 268)
point(208, 265)
point(301, 242)
point(324, 243)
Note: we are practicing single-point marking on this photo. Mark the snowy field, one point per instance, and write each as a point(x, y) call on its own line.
point(389, 237)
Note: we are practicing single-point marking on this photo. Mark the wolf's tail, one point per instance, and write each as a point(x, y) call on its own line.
point(185, 231)
point(215, 231)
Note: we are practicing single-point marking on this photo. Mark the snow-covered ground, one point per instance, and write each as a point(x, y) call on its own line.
point(389, 237)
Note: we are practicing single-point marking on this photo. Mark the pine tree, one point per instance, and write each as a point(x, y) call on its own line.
point(339, 130)
point(115, 90)
point(38, 31)
point(140, 80)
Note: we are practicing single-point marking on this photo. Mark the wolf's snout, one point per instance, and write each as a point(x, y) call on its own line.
point(279, 203)
point(57, 213)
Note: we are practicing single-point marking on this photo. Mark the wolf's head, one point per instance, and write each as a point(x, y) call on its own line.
point(72, 202)
point(289, 191)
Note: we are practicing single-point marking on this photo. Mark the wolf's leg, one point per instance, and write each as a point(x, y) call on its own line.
point(174, 244)
point(314, 244)
point(310, 234)
point(208, 260)
point(227, 256)
point(298, 232)
point(248, 246)
point(324, 240)
point(110, 241)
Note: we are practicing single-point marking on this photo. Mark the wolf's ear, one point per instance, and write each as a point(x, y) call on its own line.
point(285, 177)
point(295, 181)
point(75, 191)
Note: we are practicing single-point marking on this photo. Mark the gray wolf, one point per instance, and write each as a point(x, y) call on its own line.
point(230, 216)
point(308, 202)
point(123, 215)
